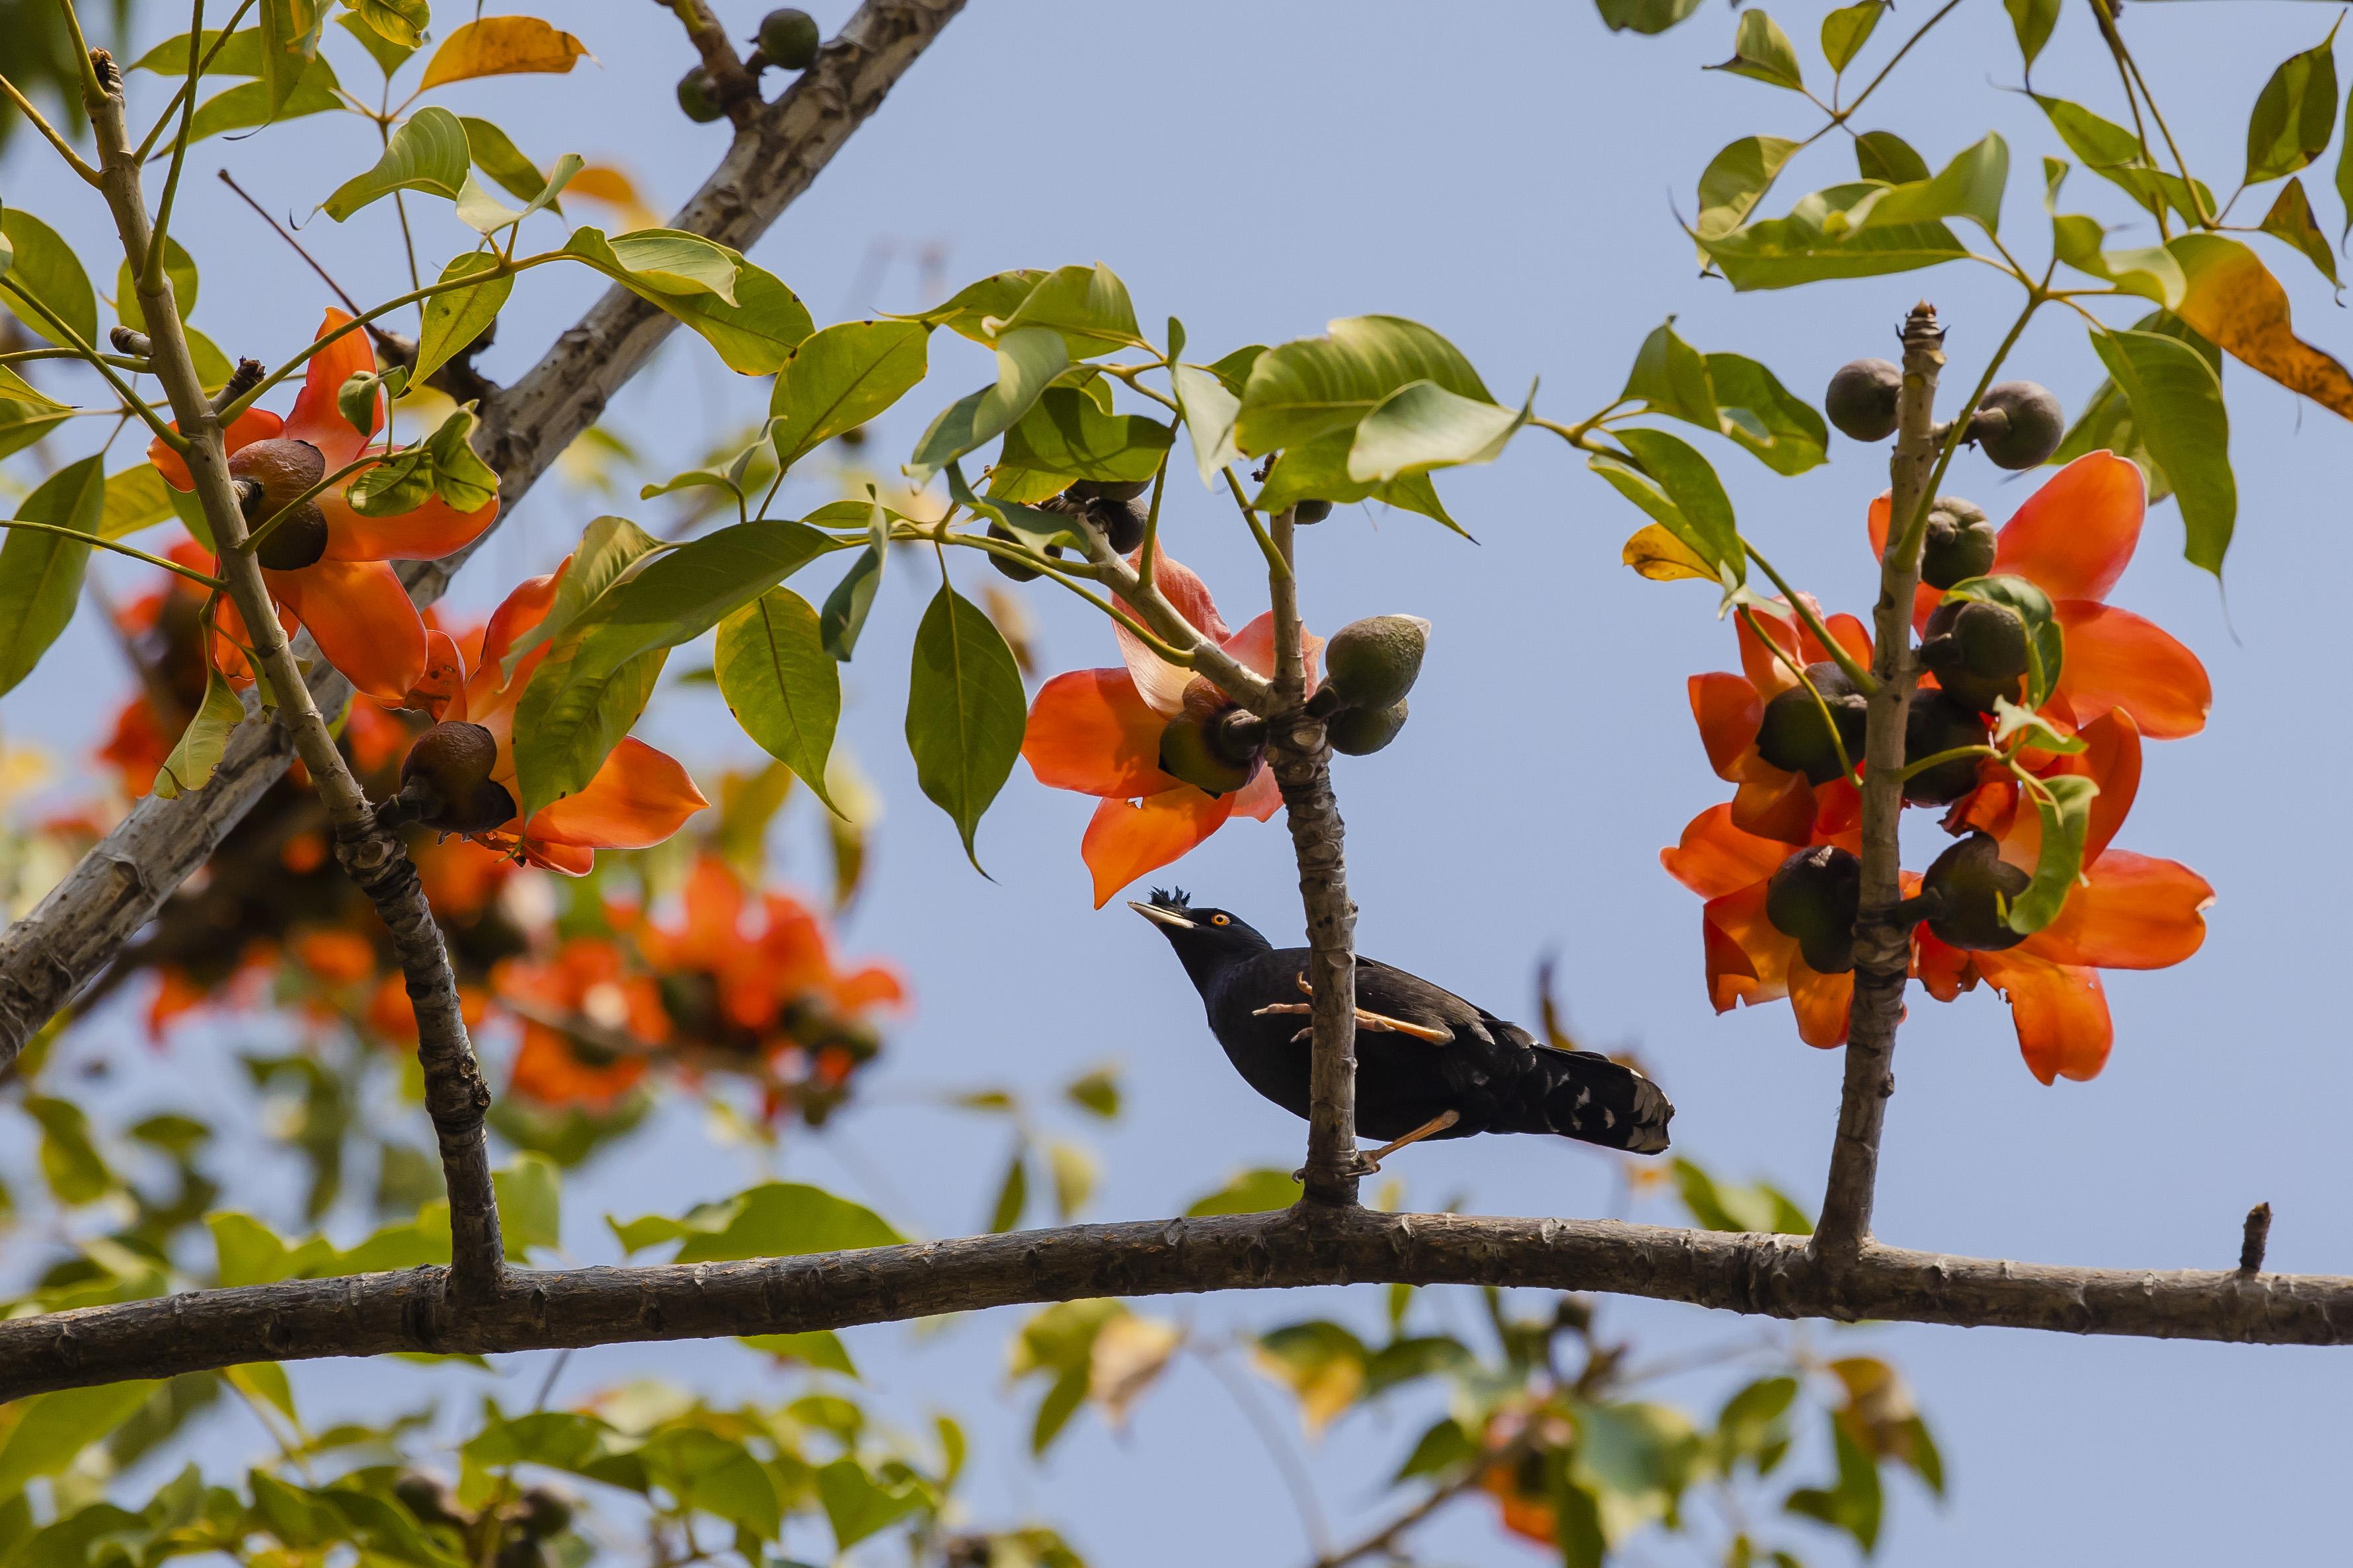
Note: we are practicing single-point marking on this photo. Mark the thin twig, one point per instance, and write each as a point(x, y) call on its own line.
point(1295, 1478)
point(76, 534)
point(1385, 1538)
point(74, 160)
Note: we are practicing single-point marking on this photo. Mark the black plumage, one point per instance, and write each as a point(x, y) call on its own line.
point(1421, 1052)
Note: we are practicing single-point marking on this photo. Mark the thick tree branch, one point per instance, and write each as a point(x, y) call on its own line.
point(1773, 1276)
point(56, 949)
point(1883, 942)
point(455, 1096)
point(1301, 760)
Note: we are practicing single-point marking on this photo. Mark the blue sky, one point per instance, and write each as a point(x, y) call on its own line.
point(1509, 174)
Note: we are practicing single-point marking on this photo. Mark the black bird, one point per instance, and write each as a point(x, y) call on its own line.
point(1429, 1064)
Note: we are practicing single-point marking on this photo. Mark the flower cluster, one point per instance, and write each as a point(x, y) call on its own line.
point(1780, 853)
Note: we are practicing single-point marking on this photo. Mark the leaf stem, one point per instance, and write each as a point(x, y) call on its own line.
point(189, 87)
point(151, 273)
point(74, 160)
point(1149, 555)
point(190, 572)
point(89, 355)
point(1277, 567)
point(1864, 681)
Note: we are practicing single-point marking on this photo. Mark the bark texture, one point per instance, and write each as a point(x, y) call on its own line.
point(48, 957)
point(1772, 1275)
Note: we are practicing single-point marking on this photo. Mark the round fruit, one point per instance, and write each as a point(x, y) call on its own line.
point(1978, 651)
point(545, 1511)
point(698, 97)
point(1310, 510)
point(1374, 662)
point(1014, 568)
point(1361, 731)
point(1110, 489)
point(283, 467)
point(1122, 521)
point(1862, 399)
point(790, 38)
point(453, 760)
point(1792, 735)
point(523, 1552)
point(1960, 543)
point(1970, 887)
point(297, 539)
point(1937, 723)
point(1189, 750)
point(428, 1498)
point(1814, 897)
point(2019, 425)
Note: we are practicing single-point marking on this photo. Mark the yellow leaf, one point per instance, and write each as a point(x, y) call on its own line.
point(603, 182)
point(1128, 1353)
point(1661, 557)
point(501, 46)
point(2233, 300)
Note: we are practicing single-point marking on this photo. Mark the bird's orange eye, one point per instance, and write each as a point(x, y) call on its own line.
point(1217, 921)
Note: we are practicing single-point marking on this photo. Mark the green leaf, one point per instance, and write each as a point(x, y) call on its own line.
point(1422, 426)
point(16, 389)
point(1885, 155)
point(2032, 21)
point(2116, 155)
point(608, 548)
point(2291, 220)
point(2045, 644)
point(781, 684)
point(241, 56)
point(2295, 116)
point(857, 1506)
point(844, 616)
point(1854, 1504)
point(388, 56)
point(1012, 1193)
point(453, 320)
point(52, 1429)
point(1320, 470)
point(1821, 237)
point(775, 1219)
point(1066, 434)
point(1761, 51)
point(485, 214)
point(2065, 804)
point(1697, 511)
point(290, 43)
point(1028, 360)
point(1971, 186)
point(2107, 422)
point(45, 269)
point(1088, 305)
point(264, 1381)
point(250, 1252)
point(1095, 1092)
point(530, 1191)
point(41, 573)
point(495, 155)
point(247, 105)
point(1318, 386)
point(177, 266)
point(751, 319)
point(2152, 271)
point(71, 1162)
point(572, 714)
point(966, 710)
point(1251, 1192)
point(1846, 29)
point(715, 1475)
point(1644, 15)
point(838, 379)
point(1737, 179)
point(2177, 407)
point(1724, 1205)
point(1671, 377)
point(816, 1347)
point(1779, 428)
point(400, 23)
point(199, 750)
point(1442, 1448)
point(21, 426)
point(992, 297)
point(1209, 411)
point(429, 153)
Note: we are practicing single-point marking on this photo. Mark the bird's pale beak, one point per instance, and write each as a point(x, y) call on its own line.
point(1164, 917)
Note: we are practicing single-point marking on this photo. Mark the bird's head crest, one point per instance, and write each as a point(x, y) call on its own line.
point(1174, 899)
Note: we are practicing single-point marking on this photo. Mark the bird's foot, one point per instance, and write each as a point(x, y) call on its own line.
point(1376, 1022)
point(1360, 1166)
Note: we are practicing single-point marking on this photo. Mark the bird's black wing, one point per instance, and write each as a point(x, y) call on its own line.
point(1394, 994)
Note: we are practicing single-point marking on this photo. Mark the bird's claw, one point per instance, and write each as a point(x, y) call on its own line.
point(1359, 1165)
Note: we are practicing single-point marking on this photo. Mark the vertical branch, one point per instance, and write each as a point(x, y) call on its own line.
point(455, 1096)
point(1883, 942)
point(1302, 766)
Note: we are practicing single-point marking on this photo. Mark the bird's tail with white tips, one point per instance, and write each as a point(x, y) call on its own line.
point(1586, 1096)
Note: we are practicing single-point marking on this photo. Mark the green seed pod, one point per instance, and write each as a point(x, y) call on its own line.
point(545, 1511)
point(790, 38)
point(1814, 897)
point(1862, 399)
point(1978, 651)
point(1310, 510)
point(1123, 523)
point(1014, 568)
point(1792, 735)
point(2019, 425)
point(1971, 886)
point(428, 1498)
point(1361, 731)
point(1374, 662)
point(1190, 751)
point(698, 97)
point(1960, 543)
point(1937, 723)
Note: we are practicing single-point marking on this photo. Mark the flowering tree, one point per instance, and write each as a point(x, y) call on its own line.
point(399, 820)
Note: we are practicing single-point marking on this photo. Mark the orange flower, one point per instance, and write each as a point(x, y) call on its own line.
point(1749, 959)
point(2072, 539)
point(1729, 709)
point(638, 798)
point(763, 970)
point(349, 599)
point(2130, 911)
point(589, 977)
point(1097, 731)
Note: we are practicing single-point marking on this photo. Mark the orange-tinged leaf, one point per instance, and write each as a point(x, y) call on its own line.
point(2233, 300)
point(1658, 554)
point(605, 184)
point(501, 46)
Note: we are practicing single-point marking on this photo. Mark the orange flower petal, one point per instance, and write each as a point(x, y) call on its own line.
point(316, 418)
point(1740, 916)
point(1728, 711)
point(1715, 858)
point(1091, 731)
point(2111, 759)
point(1822, 1003)
point(2136, 912)
point(1252, 648)
point(2074, 536)
point(1775, 804)
point(1127, 838)
point(1731, 978)
point(1945, 972)
point(1163, 684)
point(2116, 660)
point(1875, 521)
point(363, 621)
point(639, 797)
point(428, 533)
point(2060, 1014)
point(253, 424)
point(442, 690)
